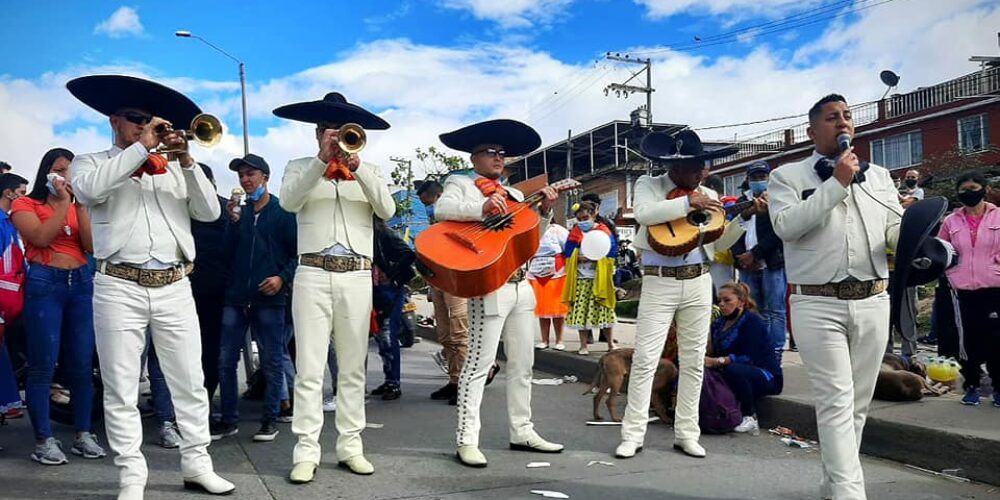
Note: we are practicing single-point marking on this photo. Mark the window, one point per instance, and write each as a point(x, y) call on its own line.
point(898, 151)
point(973, 133)
point(732, 184)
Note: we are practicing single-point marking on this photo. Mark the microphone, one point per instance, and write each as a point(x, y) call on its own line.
point(844, 141)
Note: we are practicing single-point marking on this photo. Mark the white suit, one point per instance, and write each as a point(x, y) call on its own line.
point(324, 303)
point(833, 234)
point(508, 312)
point(146, 222)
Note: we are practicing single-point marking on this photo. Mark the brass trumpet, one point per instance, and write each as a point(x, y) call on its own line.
point(351, 139)
point(205, 129)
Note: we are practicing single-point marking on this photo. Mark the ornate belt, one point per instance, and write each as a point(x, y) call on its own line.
point(518, 276)
point(844, 290)
point(150, 278)
point(681, 272)
point(335, 263)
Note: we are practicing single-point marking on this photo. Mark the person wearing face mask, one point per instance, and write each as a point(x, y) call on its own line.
point(262, 249)
point(909, 191)
point(974, 231)
point(761, 258)
point(741, 352)
point(590, 288)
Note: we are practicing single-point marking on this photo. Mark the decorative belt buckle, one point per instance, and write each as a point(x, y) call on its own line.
point(854, 290)
point(149, 278)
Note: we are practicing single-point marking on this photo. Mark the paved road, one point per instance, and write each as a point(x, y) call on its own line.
point(414, 457)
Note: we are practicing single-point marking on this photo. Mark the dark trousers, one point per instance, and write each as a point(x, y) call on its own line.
point(209, 307)
point(943, 325)
point(980, 311)
point(749, 384)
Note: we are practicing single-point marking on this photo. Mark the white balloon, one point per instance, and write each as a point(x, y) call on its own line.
point(595, 245)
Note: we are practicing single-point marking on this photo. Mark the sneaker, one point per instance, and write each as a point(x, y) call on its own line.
point(441, 361)
point(559, 347)
point(583, 351)
point(285, 416)
point(748, 425)
point(49, 453)
point(85, 445)
point(267, 432)
point(445, 393)
point(541, 346)
point(996, 399)
point(330, 404)
point(220, 430)
point(14, 413)
point(380, 390)
point(169, 437)
point(972, 396)
point(391, 392)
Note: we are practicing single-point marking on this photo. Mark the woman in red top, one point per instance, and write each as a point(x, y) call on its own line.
point(58, 304)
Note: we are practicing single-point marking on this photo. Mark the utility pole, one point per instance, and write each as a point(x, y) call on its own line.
point(569, 154)
point(624, 88)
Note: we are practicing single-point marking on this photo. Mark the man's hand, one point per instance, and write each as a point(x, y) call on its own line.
point(149, 138)
point(699, 201)
point(495, 204)
point(328, 148)
point(231, 206)
point(847, 165)
point(906, 201)
point(353, 162)
point(550, 199)
point(271, 286)
point(760, 204)
point(746, 261)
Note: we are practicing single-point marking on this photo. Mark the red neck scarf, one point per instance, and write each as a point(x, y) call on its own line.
point(336, 170)
point(490, 186)
point(155, 164)
point(679, 193)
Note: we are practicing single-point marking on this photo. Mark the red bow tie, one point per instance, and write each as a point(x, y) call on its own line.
point(338, 171)
point(155, 165)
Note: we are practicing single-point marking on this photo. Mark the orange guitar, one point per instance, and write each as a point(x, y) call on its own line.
point(473, 259)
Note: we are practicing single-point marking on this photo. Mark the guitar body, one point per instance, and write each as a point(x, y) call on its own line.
point(473, 259)
point(680, 236)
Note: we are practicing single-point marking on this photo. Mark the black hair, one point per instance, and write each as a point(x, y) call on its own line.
point(39, 190)
point(11, 181)
point(715, 183)
point(5, 167)
point(591, 197)
point(427, 185)
point(976, 177)
point(817, 109)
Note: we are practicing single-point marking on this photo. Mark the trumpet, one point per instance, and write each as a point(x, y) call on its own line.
point(351, 139)
point(205, 129)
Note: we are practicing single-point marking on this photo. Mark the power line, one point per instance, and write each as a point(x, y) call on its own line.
point(757, 122)
point(574, 81)
point(569, 97)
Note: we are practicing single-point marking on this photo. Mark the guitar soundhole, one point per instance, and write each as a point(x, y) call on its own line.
point(499, 222)
point(699, 218)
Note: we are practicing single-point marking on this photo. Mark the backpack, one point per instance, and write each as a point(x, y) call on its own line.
point(718, 411)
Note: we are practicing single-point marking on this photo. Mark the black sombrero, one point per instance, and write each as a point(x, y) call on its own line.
point(333, 108)
point(110, 93)
point(516, 138)
point(685, 146)
point(920, 257)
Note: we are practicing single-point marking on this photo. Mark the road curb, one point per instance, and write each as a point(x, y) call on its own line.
point(926, 447)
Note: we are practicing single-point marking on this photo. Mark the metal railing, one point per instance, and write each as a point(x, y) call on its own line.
point(971, 85)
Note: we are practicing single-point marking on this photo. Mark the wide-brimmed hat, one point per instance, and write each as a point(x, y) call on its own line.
point(684, 146)
point(920, 257)
point(516, 138)
point(250, 160)
point(110, 93)
point(333, 108)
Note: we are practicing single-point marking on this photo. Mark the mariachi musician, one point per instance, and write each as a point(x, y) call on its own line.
point(142, 204)
point(508, 311)
point(335, 195)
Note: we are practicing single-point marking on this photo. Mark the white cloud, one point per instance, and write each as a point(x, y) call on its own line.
point(658, 9)
point(123, 22)
point(511, 13)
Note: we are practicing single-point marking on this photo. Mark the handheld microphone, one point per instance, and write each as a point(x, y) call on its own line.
point(844, 141)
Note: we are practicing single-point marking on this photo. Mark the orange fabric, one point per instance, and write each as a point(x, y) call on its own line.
point(336, 170)
point(155, 165)
point(489, 186)
point(678, 193)
point(65, 244)
point(548, 297)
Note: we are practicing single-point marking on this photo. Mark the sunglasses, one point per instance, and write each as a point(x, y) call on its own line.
point(136, 118)
point(493, 153)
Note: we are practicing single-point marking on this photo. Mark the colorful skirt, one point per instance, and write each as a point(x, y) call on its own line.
point(548, 297)
point(586, 313)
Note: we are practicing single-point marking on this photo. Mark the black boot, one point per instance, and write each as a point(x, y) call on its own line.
point(445, 393)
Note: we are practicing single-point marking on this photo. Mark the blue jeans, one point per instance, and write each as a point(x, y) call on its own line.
point(59, 316)
point(749, 384)
point(287, 366)
point(159, 392)
point(268, 324)
point(768, 288)
point(388, 334)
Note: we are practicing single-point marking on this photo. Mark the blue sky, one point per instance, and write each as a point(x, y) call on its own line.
point(431, 65)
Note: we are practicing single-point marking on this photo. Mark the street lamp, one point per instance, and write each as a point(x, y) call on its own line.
point(243, 83)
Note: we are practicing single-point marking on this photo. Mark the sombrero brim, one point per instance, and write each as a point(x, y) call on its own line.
point(516, 138)
point(914, 230)
point(110, 93)
point(662, 147)
point(331, 112)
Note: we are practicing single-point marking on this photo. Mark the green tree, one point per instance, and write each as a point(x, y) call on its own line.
point(437, 163)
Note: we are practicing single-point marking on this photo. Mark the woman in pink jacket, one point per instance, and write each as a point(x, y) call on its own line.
point(974, 231)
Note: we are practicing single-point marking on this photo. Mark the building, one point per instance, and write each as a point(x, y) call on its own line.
point(929, 128)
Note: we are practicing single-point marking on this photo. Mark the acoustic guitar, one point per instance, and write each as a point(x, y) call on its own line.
point(699, 227)
point(473, 259)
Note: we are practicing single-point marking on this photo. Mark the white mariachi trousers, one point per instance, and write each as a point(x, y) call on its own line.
point(123, 311)
point(326, 304)
point(515, 321)
point(664, 300)
point(841, 343)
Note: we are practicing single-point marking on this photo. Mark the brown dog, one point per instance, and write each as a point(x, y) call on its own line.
point(902, 380)
point(613, 371)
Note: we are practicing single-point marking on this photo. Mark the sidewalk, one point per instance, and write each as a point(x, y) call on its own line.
point(935, 433)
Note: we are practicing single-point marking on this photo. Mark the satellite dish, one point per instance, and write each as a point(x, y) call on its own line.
point(889, 78)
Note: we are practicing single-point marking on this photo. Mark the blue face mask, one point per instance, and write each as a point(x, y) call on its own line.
point(255, 196)
point(758, 187)
point(585, 225)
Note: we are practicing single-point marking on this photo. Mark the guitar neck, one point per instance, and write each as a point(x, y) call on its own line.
point(738, 207)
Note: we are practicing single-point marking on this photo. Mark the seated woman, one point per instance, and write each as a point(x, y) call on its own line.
point(743, 354)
